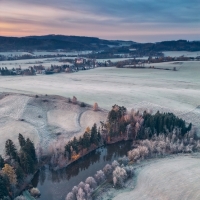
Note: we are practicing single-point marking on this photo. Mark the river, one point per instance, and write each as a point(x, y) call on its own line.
point(54, 185)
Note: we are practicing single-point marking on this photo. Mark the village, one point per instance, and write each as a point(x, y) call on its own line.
point(66, 66)
point(70, 65)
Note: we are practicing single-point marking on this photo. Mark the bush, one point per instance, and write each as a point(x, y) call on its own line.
point(34, 192)
point(74, 100)
point(82, 104)
point(20, 198)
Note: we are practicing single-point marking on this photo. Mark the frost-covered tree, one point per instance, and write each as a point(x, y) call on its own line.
point(129, 170)
point(75, 190)
point(124, 160)
point(107, 170)
point(81, 194)
point(119, 176)
point(81, 185)
point(115, 164)
point(92, 183)
point(70, 196)
point(88, 191)
point(100, 177)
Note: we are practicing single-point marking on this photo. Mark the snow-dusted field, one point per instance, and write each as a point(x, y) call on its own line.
point(167, 91)
point(181, 53)
point(177, 90)
point(43, 119)
point(175, 178)
point(25, 64)
point(42, 53)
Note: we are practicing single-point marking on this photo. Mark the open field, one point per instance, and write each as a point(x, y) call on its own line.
point(25, 64)
point(181, 53)
point(43, 119)
point(166, 179)
point(167, 91)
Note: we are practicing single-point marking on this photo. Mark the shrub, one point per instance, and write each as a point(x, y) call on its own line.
point(35, 192)
point(74, 100)
point(20, 198)
point(82, 104)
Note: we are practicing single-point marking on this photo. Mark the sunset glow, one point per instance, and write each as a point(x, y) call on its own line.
point(136, 20)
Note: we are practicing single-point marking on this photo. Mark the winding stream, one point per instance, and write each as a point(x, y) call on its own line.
point(54, 185)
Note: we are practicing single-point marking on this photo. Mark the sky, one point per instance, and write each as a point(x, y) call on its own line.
point(136, 20)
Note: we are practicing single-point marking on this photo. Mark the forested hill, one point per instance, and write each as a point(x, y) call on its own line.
point(53, 42)
point(179, 45)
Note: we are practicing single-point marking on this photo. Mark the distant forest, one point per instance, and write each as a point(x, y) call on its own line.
point(53, 42)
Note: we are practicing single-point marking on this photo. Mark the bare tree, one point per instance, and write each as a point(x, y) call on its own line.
point(95, 107)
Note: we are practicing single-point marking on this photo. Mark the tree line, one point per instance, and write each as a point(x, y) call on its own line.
point(135, 125)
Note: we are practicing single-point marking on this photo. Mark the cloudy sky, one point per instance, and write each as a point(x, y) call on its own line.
point(137, 20)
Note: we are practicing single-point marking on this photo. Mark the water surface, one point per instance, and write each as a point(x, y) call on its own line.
point(54, 185)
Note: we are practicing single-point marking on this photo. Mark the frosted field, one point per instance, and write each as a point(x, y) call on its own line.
point(181, 53)
point(44, 119)
point(14, 53)
point(178, 90)
point(43, 53)
point(166, 179)
point(167, 91)
point(46, 62)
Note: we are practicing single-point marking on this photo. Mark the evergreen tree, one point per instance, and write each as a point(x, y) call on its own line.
point(75, 144)
point(3, 187)
point(86, 140)
point(22, 140)
point(99, 135)
point(94, 136)
point(20, 173)
point(26, 162)
point(1, 162)
point(11, 149)
point(30, 150)
point(68, 150)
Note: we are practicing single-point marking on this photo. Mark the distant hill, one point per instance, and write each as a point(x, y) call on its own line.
point(53, 42)
point(179, 45)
